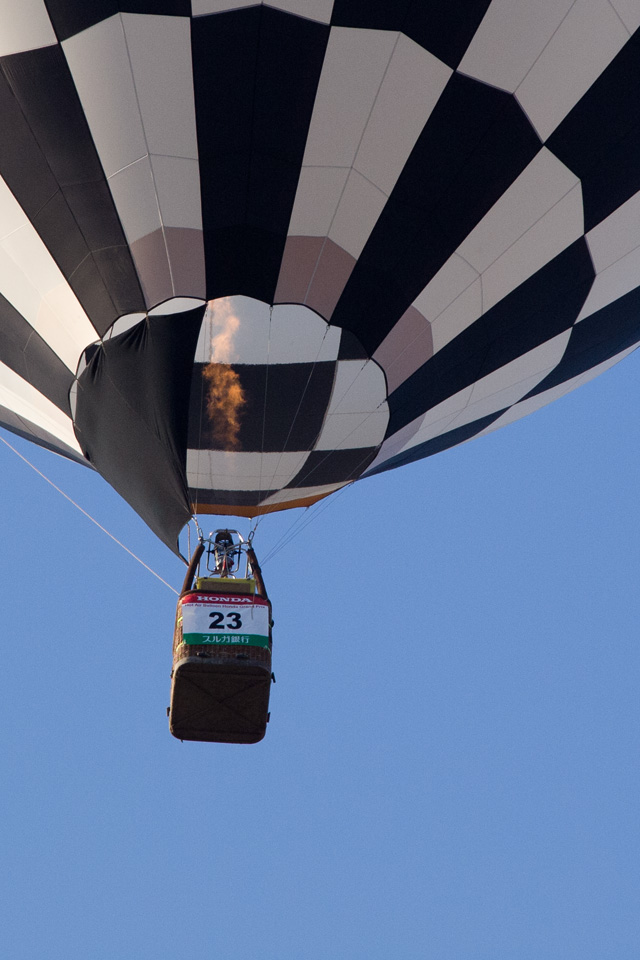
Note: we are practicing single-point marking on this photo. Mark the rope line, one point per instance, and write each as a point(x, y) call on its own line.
point(274, 549)
point(88, 515)
point(310, 514)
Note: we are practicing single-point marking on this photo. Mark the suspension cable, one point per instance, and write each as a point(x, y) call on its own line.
point(310, 514)
point(88, 515)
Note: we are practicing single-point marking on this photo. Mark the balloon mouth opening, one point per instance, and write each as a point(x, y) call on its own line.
point(285, 408)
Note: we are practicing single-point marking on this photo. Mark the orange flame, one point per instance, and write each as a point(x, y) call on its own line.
point(225, 401)
point(225, 398)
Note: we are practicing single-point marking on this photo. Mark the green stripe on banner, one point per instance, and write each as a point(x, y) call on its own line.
point(227, 639)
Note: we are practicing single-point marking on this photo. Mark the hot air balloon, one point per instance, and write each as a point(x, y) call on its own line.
point(253, 252)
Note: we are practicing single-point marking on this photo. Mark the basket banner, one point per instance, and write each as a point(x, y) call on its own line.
point(225, 620)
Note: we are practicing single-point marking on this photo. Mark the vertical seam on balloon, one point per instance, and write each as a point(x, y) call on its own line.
point(480, 273)
point(337, 449)
point(253, 114)
point(200, 408)
point(56, 192)
point(620, 18)
point(351, 169)
point(146, 143)
point(515, 92)
point(271, 506)
point(264, 405)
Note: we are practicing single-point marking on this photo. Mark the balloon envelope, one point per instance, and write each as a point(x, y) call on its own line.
point(250, 253)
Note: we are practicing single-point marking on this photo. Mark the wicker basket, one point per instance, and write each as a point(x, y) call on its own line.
point(219, 693)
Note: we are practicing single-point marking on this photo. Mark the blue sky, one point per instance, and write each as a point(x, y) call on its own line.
point(451, 769)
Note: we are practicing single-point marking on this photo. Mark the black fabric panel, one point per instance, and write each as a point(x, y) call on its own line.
point(55, 220)
point(541, 308)
point(30, 431)
point(370, 14)
point(600, 138)
point(132, 415)
point(42, 84)
point(229, 498)
point(297, 397)
point(71, 16)
point(438, 444)
point(443, 27)
point(110, 268)
point(255, 76)
point(27, 354)
point(333, 466)
point(351, 348)
point(50, 164)
point(475, 144)
point(22, 163)
point(103, 283)
point(595, 339)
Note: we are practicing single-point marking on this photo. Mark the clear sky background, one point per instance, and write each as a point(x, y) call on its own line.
point(452, 768)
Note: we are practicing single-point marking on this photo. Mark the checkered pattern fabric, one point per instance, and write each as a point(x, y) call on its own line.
point(448, 191)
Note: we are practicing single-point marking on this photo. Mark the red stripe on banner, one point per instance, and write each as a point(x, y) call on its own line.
point(224, 599)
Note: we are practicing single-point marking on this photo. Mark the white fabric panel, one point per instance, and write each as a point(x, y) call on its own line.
point(450, 281)
point(99, 62)
point(391, 446)
point(438, 419)
point(360, 206)
point(122, 325)
point(298, 335)
point(317, 197)
point(301, 493)
point(584, 44)
point(222, 470)
point(134, 77)
point(406, 347)
point(410, 89)
point(200, 7)
point(234, 328)
point(375, 94)
point(510, 39)
point(24, 26)
point(499, 389)
point(358, 413)
point(620, 278)
point(520, 410)
point(175, 305)
point(346, 431)
point(73, 393)
point(540, 186)
point(359, 387)
point(459, 315)
point(169, 307)
point(134, 195)
point(552, 234)
point(353, 69)
point(617, 235)
point(319, 10)
point(18, 395)
point(159, 50)
point(177, 184)
point(537, 218)
point(629, 13)
point(32, 281)
point(238, 329)
point(12, 216)
point(536, 363)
